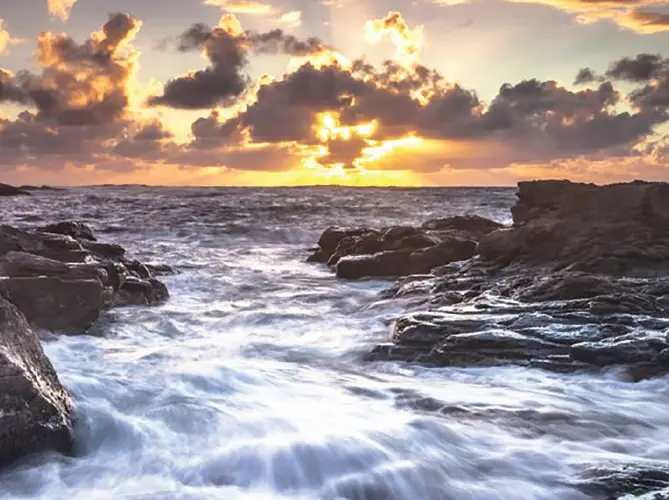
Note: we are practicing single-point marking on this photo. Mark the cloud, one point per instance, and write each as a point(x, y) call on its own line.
point(5, 38)
point(635, 15)
point(227, 47)
point(408, 42)
point(243, 6)
point(60, 8)
point(327, 116)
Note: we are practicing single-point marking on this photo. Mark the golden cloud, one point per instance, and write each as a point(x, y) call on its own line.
point(60, 8)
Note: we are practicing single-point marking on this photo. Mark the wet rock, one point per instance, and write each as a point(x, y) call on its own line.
point(55, 304)
point(104, 250)
point(53, 246)
point(616, 480)
point(135, 291)
point(474, 226)
point(35, 411)
point(77, 230)
point(160, 269)
point(405, 261)
point(400, 250)
point(619, 230)
point(7, 190)
point(331, 238)
point(63, 284)
point(22, 264)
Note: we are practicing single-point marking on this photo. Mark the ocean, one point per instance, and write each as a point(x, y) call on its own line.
point(250, 383)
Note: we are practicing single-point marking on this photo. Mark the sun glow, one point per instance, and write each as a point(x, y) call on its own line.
point(330, 128)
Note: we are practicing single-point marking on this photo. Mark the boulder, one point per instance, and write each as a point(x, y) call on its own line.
point(56, 304)
point(405, 261)
point(36, 413)
point(136, 291)
point(62, 280)
point(77, 230)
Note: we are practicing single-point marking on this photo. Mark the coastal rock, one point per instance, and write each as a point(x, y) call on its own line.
point(400, 250)
point(406, 261)
point(77, 230)
point(619, 229)
point(625, 481)
point(62, 280)
point(468, 226)
point(136, 291)
point(7, 190)
point(56, 304)
point(35, 411)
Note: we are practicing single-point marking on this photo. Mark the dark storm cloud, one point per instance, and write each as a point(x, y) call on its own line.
point(9, 90)
point(279, 42)
point(585, 75)
point(544, 118)
point(228, 53)
point(642, 68)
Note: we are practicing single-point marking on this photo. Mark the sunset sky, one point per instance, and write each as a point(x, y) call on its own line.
point(360, 92)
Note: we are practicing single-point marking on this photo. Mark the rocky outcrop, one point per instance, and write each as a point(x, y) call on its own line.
point(61, 278)
point(580, 281)
point(7, 190)
point(35, 411)
point(619, 230)
point(56, 278)
point(400, 250)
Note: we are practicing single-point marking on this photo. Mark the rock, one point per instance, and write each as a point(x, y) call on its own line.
point(77, 230)
point(56, 304)
point(21, 265)
point(474, 226)
point(615, 480)
point(104, 250)
point(160, 269)
point(53, 246)
point(619, 229)
point(383, 264)
point(7, 190)
point(137, 291)
point(330, 239)
point(63, 284)
point(36, 413)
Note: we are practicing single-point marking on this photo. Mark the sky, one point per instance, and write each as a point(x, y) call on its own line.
point(351, 92)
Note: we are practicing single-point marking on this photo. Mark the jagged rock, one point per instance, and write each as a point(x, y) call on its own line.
point(22, 265)
point(647, 481)
point(77, 230)
point(7, 190)
point(619, 230)
point(56, 304)
point(53, 246)
point(35, 411)
point(63, 284)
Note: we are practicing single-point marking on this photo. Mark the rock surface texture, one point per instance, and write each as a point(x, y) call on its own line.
point(35, 411)
point(401, 250)
point(61, 278)
point(56, 278)
point(580, 281)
